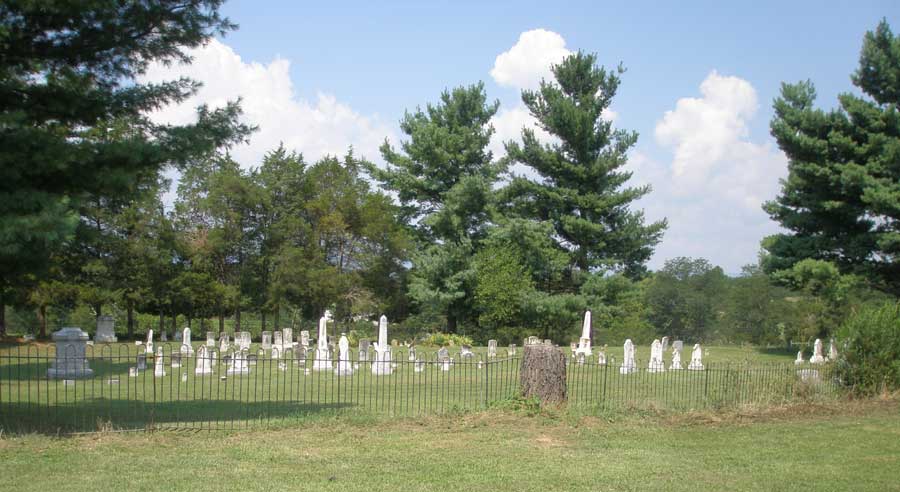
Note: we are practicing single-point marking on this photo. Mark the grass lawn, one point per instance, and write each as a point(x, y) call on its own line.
point(848, 446)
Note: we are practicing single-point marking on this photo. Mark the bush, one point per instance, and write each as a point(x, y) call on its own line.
point(870, 360)
point(441, 339)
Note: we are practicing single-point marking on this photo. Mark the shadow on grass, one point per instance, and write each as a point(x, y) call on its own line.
point(101, 414)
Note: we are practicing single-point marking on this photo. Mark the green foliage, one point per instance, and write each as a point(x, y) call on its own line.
point(683, 297)
point(581, 191)
point(445, 339)
point(74, 119)
point(870, 359)
point(503, 285)
point(841, 199)
point(617, 309)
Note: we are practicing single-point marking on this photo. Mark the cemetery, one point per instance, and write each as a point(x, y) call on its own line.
point(449, 245)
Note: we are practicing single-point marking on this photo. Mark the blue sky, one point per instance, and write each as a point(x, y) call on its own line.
point(322, 75)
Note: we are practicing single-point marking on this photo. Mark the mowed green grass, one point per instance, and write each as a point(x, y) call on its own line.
point(848, 446)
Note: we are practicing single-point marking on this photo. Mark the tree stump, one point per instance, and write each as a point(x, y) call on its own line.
point(543, 374)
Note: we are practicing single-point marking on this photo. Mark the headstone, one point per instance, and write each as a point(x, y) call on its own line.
point(676, 359)
point(511, 351)
point(213, 356)
point(70, 361)
point(132, 372)
point(300, 356)
point(276, 351)
point(186, 347)
point(547, 341)
point(817, 357)
point(159, 367)
point(287, 337)
point(176, 360)
point(395, 343)
point(809, 375)
point(678, 345)
point(224, 343)
point(323, 356)
point(266, 340)
point(419, 366)
point(443, 358)
point(238, 364)
point(601, 356)
point(203, 365)
point(304, 338)
point(142, 362)
point(246, 340)
point(278, 340)
point(210, 339)
point(665, 344)
point(149, 342)
point(656, 358)
point(628, 364)
point(799, 360)
point(832, 351)
point(492, 349)
point(412, 353)
point(179, 336)
point(344, 367)
point(164, 337)
point(584, 343)
point(532, 340)
point(382, 365)
point(465, 351)
point(106, 330)
point(696, 358)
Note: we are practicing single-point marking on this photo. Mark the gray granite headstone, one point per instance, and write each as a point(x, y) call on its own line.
point(71, 361)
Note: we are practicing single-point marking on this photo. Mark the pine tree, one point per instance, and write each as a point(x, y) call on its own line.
point(841, 199)
point(73, 116)
point(581, 190)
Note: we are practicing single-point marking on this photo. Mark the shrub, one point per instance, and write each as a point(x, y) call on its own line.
point(441, 339)
point(870, 360)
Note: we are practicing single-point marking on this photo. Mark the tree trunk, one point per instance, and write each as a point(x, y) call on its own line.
point(162, 322)
point(451, 323)
point(221, 324)
point(543, 374)
point(277, 317)
point(130, 317)
point(98, 308)
point(237, 320)
point(42, 322)
point(2, 317)
point(189, 322)
point(174, 324)
point(262, 315)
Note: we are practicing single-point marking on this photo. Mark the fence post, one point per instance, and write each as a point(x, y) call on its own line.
point(484, 398)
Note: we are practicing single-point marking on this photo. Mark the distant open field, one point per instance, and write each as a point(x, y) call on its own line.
point(848, 446)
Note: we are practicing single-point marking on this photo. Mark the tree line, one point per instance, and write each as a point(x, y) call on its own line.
point(444, 237)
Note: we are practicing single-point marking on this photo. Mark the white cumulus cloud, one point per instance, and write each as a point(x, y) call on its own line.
point(529, 60)
point(315, 127)
point(714, 185)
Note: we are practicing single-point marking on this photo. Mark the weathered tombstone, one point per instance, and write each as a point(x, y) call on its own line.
point(799, 360)
point(511, 351)
point(665, 344)
point(817, 357)
point(266, 340)
point(584, 343)
point(656, 358)
point(443, 357)
point(246, 340)
point(532, 340)
point(344, 368)
point(178, 336)
point(678, 345)
point(543, 374)
point(465, 351)
point(628, 364)
point(203, 365)
point(142, 362)
point(224, 343)
point(300, 356)
point(601, 356)
point(547, 341)
point(186, 347)
point(277, 340)
point(676, 359)
point(492, 349)
point(106, 330)
point(395, 343)
point(210, 339)
point(176, 360)
point(832, 351)
point(149, 342)
point(159, 367)
point(382, 365)
point(809, 375)
point(696, 358)
point(323, 356)
point(304, 338)
point(419, 366)
point(213, 357)
point(164, 337)
point(276, 352)
point(412, 354)
point(287, 337)
point(238, 364)
point(71, 360)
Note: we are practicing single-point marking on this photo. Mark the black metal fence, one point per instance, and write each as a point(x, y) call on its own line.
point(129, 388)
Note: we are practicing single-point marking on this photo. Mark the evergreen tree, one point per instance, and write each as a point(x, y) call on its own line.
point(67, 86)
point(581, 189)
point(841, 199)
